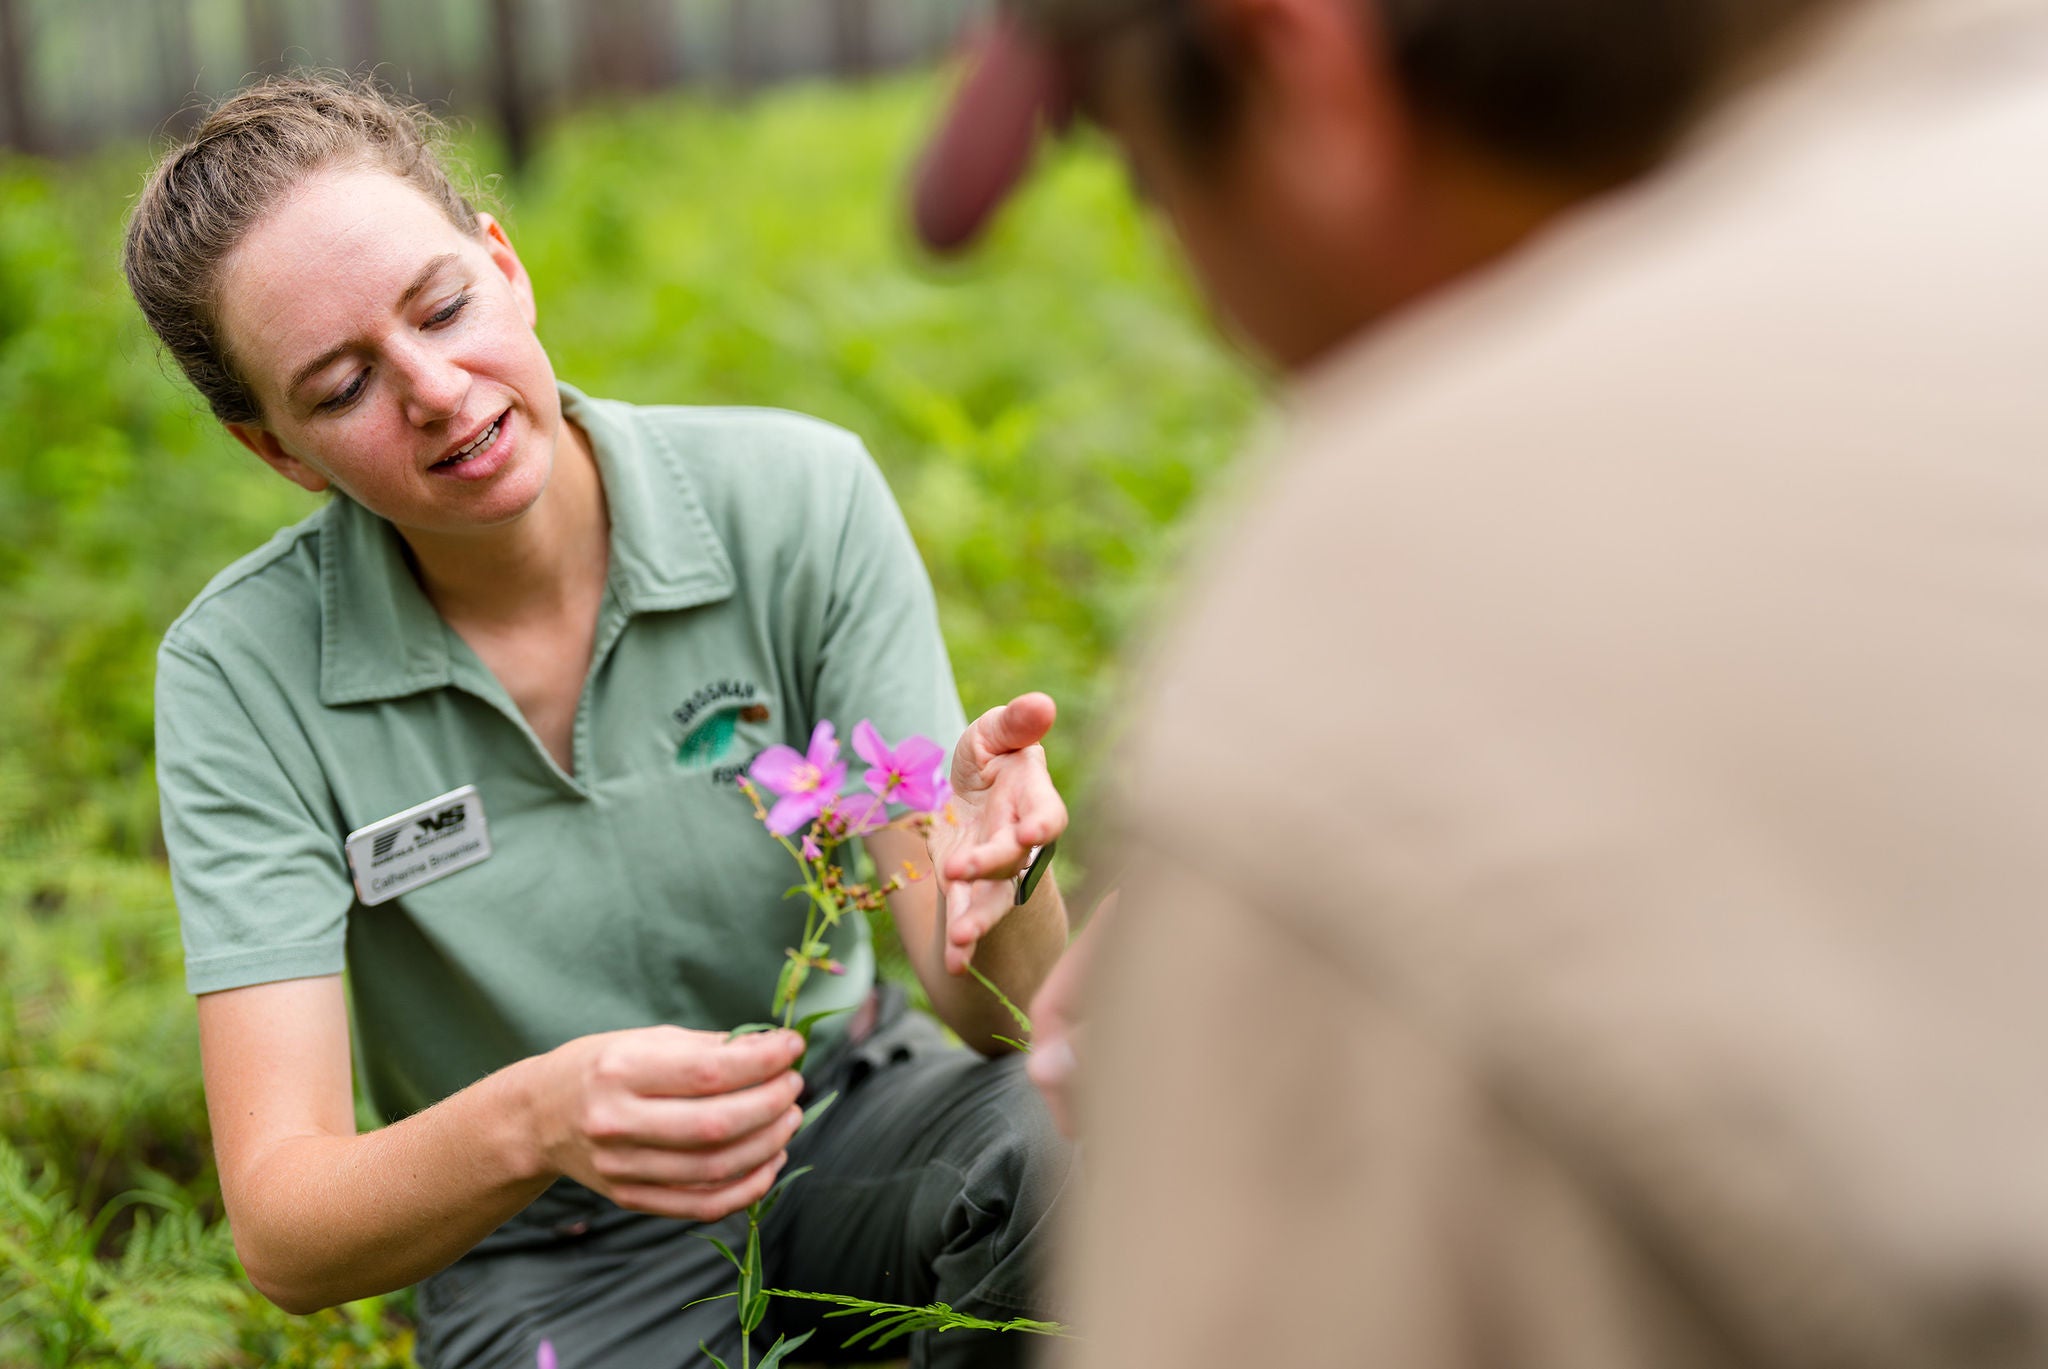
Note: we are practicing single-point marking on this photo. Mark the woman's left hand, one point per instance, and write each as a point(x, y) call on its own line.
point(1004, 804)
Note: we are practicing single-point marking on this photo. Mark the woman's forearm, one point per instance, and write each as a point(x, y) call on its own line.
point(323, 1219)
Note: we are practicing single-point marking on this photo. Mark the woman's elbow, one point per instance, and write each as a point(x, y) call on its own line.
point(289, 1294)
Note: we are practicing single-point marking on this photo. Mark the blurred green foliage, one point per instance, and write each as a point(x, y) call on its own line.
point(1046, 414)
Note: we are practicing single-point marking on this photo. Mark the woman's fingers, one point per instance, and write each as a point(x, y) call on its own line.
point(636, 1166)
point(709, 1123)
point(674, 1062)
point(701, 1204)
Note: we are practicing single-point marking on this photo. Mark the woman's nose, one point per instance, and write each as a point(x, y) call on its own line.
point(434, 387)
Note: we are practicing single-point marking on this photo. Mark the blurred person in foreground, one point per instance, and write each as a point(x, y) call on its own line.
point(1613, 879)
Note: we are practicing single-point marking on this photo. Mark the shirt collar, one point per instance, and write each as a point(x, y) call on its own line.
point(381, 639)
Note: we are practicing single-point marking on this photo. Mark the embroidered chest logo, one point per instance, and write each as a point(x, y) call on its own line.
point(709, 721)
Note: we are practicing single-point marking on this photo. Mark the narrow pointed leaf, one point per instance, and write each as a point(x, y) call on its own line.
point(751, 1028)
point(1016, 1013)
point(817, 1110)
point(879, 1333)
point(713, 1358)
point(756, 1310)
point(782, 991)
point(774, 1194)
point(782, 1348)
point(810, 1020)
point(723, 1249)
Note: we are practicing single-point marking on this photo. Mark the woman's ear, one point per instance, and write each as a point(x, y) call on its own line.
point(507, 261)
point(265, 444)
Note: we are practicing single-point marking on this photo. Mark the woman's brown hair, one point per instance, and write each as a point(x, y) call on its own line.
point(250, 153)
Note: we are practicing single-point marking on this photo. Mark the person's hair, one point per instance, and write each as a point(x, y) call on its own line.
point(1586, 89)
point(252, 151)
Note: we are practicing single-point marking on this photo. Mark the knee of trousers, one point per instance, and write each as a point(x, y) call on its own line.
point(1012, 1168)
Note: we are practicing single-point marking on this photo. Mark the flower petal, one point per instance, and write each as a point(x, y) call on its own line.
point(863, 813)
point(924, 795)
point(869, 746)
point(916, 756)
point(775, 769)
point(793, 812)
point(824, 747)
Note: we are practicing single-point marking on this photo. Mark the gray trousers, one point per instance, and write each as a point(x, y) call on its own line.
point(933, 1175)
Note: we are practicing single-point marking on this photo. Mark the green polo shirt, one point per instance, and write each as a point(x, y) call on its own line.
point(761, 579)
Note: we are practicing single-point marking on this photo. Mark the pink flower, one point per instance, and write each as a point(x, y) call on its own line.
point(810, 850)
point(804, 784)
point(907, 774)
point(546, 1358)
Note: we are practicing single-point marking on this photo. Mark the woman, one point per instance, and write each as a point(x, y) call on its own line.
point(470, 731)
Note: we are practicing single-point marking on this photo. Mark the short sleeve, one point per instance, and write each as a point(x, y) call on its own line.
point(882, 657)
point(263, 891)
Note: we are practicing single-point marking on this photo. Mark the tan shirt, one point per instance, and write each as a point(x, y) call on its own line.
point(1599, 797)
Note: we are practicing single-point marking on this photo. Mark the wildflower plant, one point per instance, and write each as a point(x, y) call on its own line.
point(806, 790)
point(805, 809)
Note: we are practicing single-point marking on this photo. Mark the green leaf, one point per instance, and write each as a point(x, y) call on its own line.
point(1015, 1012)
point(715, 1297)
point(768, 1201)
point(1012, 1042)
point(751, 1029)
point(880, 1333)
point(723, 1249)
point(713, 1358)
point(750, 1271)
point(756, 1310)
point(782, 1348)
point(817, 1110)
point(810, 1020)
point(896, 1319)
point(790, 982)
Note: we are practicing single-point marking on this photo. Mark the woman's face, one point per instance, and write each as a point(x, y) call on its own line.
point(392, 355)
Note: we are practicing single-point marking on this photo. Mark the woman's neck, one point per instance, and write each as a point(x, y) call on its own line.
point(552, 558)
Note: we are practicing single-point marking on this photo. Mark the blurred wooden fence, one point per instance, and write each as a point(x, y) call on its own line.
point(75, 73)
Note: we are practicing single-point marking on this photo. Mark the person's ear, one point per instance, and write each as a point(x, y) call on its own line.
point(507, 261)
point(265, 444)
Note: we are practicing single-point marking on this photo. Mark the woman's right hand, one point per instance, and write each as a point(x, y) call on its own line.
point(680, 1123)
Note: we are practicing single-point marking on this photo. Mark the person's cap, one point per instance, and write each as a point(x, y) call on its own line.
point(1018, 83)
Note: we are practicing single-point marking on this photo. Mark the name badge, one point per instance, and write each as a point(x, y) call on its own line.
point(429, 840)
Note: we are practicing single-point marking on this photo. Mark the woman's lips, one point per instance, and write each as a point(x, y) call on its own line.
point(482, 462)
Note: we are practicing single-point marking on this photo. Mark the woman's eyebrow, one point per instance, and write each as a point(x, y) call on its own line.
point(434, 266)
point(426, 276)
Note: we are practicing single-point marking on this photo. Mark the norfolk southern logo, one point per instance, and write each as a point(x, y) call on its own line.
point(710, 719)
point(446, 820)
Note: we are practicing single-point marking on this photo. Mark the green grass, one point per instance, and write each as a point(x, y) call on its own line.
point(1046, 414)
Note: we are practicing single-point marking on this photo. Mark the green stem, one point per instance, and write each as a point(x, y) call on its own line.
point(1015, 1012)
